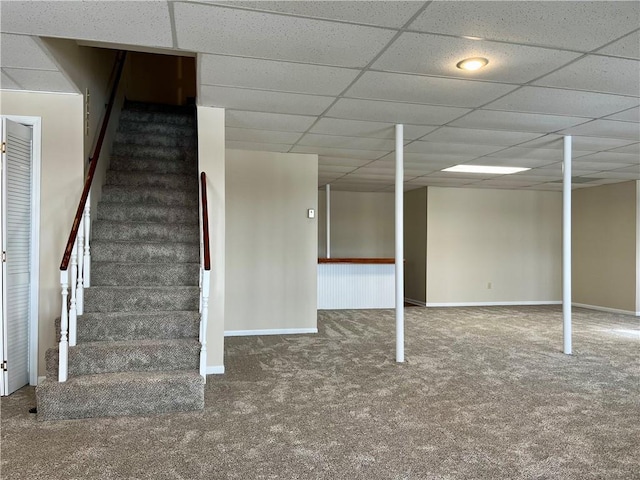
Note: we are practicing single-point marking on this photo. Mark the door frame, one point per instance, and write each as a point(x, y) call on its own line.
point(36, 149)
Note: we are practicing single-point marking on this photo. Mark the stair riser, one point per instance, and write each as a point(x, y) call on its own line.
point(157, 274)
point(114, 327)
point(145, 252)
point(157, 180)
point(103, 299)
point(174, 198)
point(153, 152)
point(146, 213)
point(85, 360)
point(134, 164)
point(185, 138)
point(135, 128)
point(68, 400)
point(157, 117)
point(152, 232)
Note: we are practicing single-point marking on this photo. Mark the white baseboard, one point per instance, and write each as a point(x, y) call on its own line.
point(418, 303)
point(494, 304)
point(215, 370)
point(606, 309)
point(274, 331)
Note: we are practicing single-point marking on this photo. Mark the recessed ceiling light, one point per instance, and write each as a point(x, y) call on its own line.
point(485, 169)
point(472, 63)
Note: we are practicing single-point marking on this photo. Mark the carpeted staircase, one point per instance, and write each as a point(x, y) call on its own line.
point(137, 346)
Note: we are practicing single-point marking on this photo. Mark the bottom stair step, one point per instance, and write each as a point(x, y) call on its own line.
point(116, 394)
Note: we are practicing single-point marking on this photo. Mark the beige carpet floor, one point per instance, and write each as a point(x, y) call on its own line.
point(486, 393)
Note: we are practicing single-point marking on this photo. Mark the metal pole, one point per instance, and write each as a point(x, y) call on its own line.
point(566, 246)
point(399, 243)
point(328, 218)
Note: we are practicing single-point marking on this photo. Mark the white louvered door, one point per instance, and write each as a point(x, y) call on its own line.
point(16, 242)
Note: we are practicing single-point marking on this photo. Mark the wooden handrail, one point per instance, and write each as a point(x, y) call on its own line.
point(205, 221)
point(64, 265)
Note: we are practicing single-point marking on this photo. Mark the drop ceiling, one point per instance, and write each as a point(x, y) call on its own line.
point(334, 77)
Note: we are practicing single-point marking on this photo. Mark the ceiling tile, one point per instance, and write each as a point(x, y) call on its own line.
point(505, 182)
point(429, 90)
point(460, 175)
point(477, 136)
point(556, 24)
point(632, 169)
point(631, 115)
point(634, 149)
point(607, 128)
point(21, 51)
point(390, 170)
point(588, 144)
point(368, 12)
point(598, 74)
point(436, 160)
point(271, 121)
point(262, 147)
point(361, 175)
point(537, 153)
point(562, 102)
point(525, 122)
point(213, 29)
point(41, 80)
point(354, 162)
point(7, 83)
point(271, 75)
point(257, 100)
point(620, 175)
point(464, 149)
point(339, 152)
point(511, 162)
point(261, 136)
point(597, 165)
point(444, 182)
point(330, 169)
point(391, 112)
point(576, 171)
point(336, 141)
point(610, 157)
point(628, 46)
point(438, 55)
point(337, 126)
point(122, 22)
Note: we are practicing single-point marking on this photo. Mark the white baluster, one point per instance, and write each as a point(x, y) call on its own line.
point(203, 323)
point(73, 312)
point(86, 220)
point(80, 285)
point(63, 349)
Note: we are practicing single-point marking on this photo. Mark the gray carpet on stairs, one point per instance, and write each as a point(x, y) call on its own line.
point(138, 349)
point(485, 394)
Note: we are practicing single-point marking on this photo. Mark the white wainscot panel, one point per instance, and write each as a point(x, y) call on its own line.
point(355, 285)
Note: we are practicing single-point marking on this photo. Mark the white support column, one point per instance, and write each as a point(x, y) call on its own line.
point(328, 218)
point(399, 214)
point(566, 246)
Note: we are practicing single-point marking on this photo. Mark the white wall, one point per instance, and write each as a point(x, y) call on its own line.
point(510, 239)
point(211, 160)
point(271, 256)
point(362, 224)
point(62, 154)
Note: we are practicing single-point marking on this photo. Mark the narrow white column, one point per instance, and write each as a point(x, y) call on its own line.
point(566, 246)
point(399, 243)
point(328, 218)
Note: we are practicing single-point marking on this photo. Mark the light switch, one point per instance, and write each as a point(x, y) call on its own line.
point(311, 213)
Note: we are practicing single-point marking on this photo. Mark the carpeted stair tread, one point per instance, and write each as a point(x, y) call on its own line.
point(185, 138)
point(152, 196)
point(153, 165)
point(154, 152)
point(157, 180)
point(147, 213)
point(140, 298)
point(116, 326)
point(158, 117)
point(118, 394)
point(167, 130)
point(141, 251)
point(136, 106)
point(127, 356)
point(150, 274)
point(147, 231)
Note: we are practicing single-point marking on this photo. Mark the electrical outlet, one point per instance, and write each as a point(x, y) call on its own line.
point(311, 213)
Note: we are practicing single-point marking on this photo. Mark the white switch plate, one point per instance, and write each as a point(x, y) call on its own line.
point(311, 213)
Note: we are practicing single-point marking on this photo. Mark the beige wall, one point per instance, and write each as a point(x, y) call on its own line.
point(604, 246)
point(362, 224)
point(62, 154)
point(271, 256)
point(415, 244)
point(211, 159)
point(509, 238)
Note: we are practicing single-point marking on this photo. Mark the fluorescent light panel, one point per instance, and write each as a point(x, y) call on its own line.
point(485, 169)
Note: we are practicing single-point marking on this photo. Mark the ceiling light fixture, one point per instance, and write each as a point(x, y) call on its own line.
point(485, 169)
point(471, 64)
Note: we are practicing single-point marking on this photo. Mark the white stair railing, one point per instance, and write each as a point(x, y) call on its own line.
point(75, 268)
point(205, 274)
